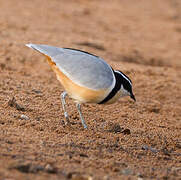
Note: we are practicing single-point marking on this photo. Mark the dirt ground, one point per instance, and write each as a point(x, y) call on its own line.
point(125, 140)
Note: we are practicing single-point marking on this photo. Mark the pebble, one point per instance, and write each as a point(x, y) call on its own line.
point(50, 169)
point(24, 117)
point(145, 147)
point(127, 172)
point(36, 91)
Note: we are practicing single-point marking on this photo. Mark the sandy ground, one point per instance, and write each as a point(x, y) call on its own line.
point(125, 140)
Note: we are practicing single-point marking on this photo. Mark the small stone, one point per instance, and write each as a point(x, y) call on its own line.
point(27, 167)
point(115, 128)
point(145, 147)
point(50, 169)
point(19, 107)
point(36, 91)
point(139, 178)
point(126, 131)
point(81, 177)
point(21, 167)
point(178, 145)
point(35, 168)
point(78, 176)
point(83, 155)
point(24, 117)
point(127, 172)
point(12, 103)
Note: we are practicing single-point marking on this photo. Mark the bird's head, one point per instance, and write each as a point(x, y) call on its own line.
point(125, 84)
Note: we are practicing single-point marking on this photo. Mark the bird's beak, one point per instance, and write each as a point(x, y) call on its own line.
point(133, 97)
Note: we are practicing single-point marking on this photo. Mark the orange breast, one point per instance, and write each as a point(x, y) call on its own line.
point(75, 91)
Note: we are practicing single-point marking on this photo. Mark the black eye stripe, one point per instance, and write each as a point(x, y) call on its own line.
point(124, 76)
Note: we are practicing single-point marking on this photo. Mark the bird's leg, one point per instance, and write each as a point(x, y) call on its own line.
point(63, 96)
point(81, 116)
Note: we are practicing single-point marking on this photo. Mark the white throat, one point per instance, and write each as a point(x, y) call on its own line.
point(124, 91)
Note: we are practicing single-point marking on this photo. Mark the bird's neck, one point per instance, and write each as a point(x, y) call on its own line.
point(116, 91)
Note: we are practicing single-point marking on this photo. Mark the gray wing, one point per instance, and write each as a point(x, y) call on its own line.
point(82, 68)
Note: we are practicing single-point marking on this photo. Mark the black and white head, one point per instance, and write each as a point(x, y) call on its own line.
point(125, 84)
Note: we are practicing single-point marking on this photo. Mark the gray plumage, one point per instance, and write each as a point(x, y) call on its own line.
point(82, 68)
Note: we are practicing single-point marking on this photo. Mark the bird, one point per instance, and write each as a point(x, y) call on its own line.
point(85, 77)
